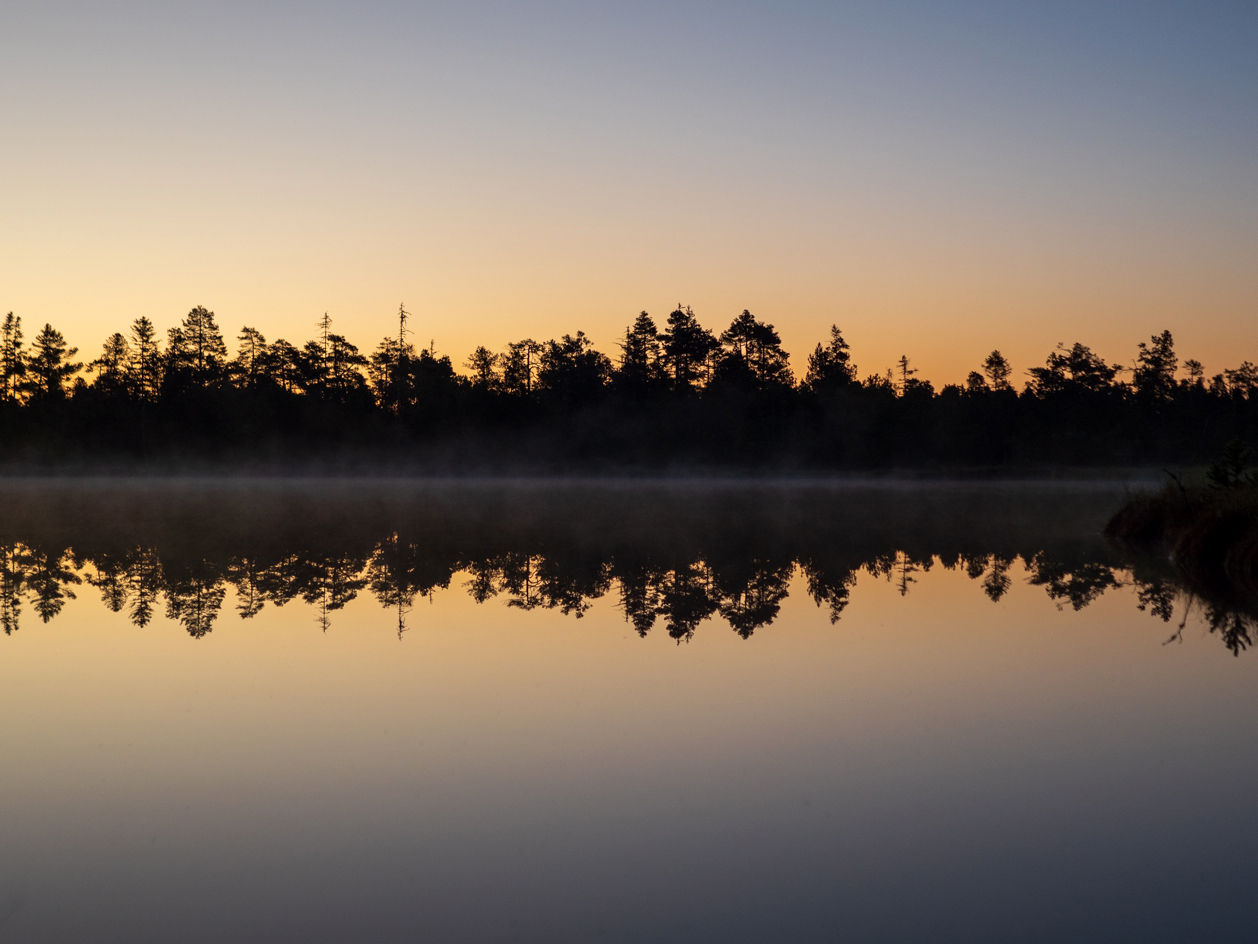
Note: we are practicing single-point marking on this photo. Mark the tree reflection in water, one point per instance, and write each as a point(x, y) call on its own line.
point(676, 559)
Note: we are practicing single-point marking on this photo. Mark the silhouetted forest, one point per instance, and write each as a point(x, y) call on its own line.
point(677, 396)
point(671, 559)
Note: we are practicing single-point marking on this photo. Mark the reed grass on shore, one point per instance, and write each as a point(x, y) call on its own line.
point(1202, 527)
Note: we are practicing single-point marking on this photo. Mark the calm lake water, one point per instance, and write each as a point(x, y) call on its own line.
point(389, 712)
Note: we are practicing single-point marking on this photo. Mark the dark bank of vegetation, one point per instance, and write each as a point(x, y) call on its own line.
point(675, 397)
point(671, 557)
point(1209, 528)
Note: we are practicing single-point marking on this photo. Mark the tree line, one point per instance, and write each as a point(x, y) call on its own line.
point(676, 396)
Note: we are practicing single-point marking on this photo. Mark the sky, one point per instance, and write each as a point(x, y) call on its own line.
point(937, 179)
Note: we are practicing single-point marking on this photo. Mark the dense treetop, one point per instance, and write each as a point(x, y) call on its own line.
point(673, 395)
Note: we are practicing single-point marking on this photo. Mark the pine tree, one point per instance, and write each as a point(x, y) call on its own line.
point(572, 371)
point(483, 365)
point(250, 361)
point(688, 348)
point(1156, 363)
point(48, 367)
point(998, 371)
point(111, 367)
point(1075, 370)
point(315, 360)
point(521, 363)
point(283, 364)
point(389, 360)
point(1242, 380)
point(756, 348)
point(343, 363)
point(1196, 372)
point(201, 346)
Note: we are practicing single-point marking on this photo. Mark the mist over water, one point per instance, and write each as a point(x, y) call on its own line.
point(541, 711)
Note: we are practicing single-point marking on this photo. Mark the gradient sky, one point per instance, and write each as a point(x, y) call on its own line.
point(937, 179)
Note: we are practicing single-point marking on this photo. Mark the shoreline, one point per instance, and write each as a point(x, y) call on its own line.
point(1129, 477)
point(1204, 531)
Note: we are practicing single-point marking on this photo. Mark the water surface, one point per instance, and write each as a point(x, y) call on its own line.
point(384, 711)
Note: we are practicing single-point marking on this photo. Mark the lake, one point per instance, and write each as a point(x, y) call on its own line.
point(614, 711)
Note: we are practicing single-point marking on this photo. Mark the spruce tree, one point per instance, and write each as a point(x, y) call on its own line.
point(12, 358)
point(641, 353)
point(830, 367)
point(144, 372)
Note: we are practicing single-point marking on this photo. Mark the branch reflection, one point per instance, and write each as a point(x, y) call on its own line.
point(670, 559)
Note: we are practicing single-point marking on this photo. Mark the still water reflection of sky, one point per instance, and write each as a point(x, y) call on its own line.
point(932, 766)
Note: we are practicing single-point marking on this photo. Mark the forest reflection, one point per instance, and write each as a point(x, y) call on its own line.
point(672, 559)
